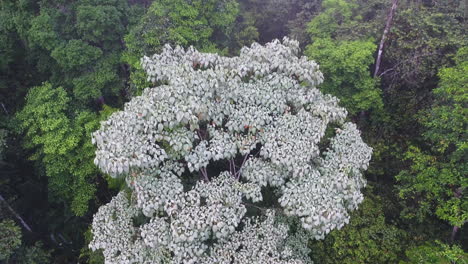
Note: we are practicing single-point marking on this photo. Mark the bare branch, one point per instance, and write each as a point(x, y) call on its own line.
point(232, 167)
point(384, 36)
point(23, 223)
point(204, 173)
point(238, 174)
point(4, 108)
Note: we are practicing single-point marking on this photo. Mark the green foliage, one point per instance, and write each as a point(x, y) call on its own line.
point(104, 80)
point(80, 43)
point(437, 175)
point(418, 38)
point(61, 140)
point(246, 36)
point(345, 66)
point(42, 32)
point(366, 239)
point(181, 22)
point(35, 254)
point(49, 131)
point(75, 53)
point(45, 121)
point(86, 254)
point(99, 23)
point(446, 121)
point(344, 63)
point(56, 41)
point(277, 18)
point(436, 253)
point(335, 13)
point(244, 31)
point(102, 23)
point(12, 250)
point(6, 40)
point(10, 238)
point(419, 133)
point(423, 39)
point(17, 67)
point(202, 24)
point(349, 20)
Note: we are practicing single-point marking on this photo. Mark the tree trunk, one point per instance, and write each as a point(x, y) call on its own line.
point(23, 223)
point(454, 233)
point(384, 36)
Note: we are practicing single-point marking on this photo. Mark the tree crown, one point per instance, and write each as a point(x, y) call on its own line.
point(218, 150)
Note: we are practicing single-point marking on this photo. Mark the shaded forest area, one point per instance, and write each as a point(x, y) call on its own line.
point(67, 65)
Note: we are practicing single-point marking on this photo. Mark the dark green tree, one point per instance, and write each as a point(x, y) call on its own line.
point(436, 253)
point(436, 181)
point(368, 238)
point(204, 24)
point(276, 18)
point(81, 42)
point(10, 239)
point(422, 40)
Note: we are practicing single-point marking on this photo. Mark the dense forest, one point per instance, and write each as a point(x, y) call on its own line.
point(399, 67)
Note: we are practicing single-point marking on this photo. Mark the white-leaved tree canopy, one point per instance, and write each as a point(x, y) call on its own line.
point(222, 156)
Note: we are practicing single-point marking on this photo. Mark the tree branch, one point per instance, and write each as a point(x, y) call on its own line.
point(232, 167)
point(405, 61)
point(25, 225)
point(204, 173)
point(238, 174)
point(4, 108)
point(384, 36)
point(255, 206)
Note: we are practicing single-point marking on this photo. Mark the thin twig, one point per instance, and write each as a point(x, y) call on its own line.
point(404, 61)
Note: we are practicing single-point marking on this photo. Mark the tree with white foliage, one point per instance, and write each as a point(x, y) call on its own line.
point(221, 154)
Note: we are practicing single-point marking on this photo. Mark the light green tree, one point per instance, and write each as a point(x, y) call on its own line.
point(345, 65)
point(345, 62)
point(60, 139)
